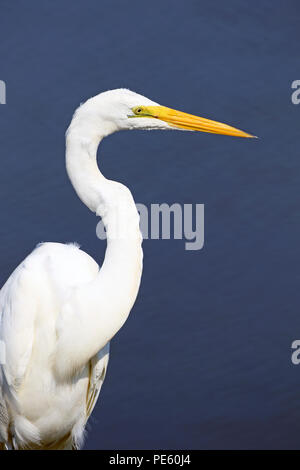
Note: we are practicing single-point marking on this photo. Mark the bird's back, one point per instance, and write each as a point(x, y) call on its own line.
point(38, 408)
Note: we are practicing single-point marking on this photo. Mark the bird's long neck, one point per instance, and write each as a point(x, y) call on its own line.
point(106, 302)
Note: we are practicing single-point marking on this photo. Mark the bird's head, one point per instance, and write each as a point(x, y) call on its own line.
point(122, 109)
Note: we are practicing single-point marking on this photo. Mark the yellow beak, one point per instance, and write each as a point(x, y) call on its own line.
point(178, 119)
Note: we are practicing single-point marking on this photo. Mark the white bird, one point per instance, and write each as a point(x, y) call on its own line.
point(59, 310)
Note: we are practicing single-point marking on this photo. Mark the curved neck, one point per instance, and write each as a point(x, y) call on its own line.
point(109, 199)
point(82, 168)
point(104, 303)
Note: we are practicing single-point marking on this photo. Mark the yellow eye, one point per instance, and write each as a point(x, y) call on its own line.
point(138, 110)
point(141, 111)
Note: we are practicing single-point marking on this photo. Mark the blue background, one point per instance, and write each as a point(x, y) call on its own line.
point(204, 360)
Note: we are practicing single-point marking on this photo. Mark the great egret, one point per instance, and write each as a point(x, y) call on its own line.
point(58, 310)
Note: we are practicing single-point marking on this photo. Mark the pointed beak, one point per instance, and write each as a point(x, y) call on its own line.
point(180, 120)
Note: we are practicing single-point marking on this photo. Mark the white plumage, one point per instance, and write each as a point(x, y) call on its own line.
point(39, 405)
point(58, 310)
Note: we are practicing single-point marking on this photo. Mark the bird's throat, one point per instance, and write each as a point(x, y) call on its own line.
point(117, 283)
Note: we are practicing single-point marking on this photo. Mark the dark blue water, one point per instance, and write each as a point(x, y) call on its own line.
point(204, 359)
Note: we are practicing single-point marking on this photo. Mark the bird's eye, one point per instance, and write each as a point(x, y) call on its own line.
point(139, 111)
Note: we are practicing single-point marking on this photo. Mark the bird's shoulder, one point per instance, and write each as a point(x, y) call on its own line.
point(33, 297)
point(66, 262)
